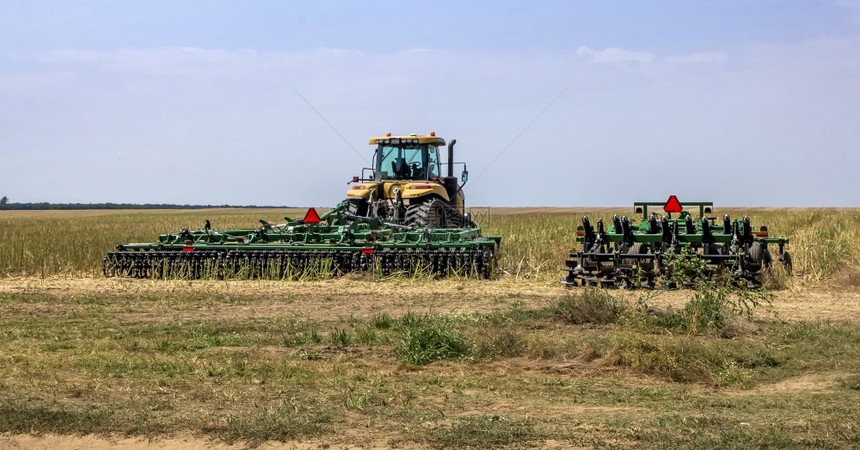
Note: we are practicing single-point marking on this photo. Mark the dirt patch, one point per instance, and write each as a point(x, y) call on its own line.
point(320, 301)
point(803, 383)
point(363, 299)
point(848, 277)
point(805, 304)
point(94, 442)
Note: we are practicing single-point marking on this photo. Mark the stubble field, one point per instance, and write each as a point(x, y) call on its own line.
point(361, 361)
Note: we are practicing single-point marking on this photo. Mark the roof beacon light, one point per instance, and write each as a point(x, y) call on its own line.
point(673, 205)
point(311, 216)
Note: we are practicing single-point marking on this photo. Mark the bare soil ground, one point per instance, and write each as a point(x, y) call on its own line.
point(362, 298)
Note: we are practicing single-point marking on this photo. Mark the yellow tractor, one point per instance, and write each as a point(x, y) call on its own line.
point(406, 185)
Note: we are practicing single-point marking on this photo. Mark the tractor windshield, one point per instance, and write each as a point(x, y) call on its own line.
point(407, 162)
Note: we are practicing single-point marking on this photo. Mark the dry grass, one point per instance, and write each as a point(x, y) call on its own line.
point(325, 362)
point(47, 243)
point(535, 242)
point(331, 362)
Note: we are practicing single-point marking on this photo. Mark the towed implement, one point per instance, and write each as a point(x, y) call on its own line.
point(330, 244)
point(627, 254)
point(404, 216)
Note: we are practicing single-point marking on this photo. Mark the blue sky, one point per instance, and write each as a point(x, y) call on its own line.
point(742, 103)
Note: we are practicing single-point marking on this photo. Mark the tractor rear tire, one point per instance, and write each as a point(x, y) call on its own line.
point(428, 214)
point(453, 218)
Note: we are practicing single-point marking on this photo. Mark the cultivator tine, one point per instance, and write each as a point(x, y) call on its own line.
point(294, 264)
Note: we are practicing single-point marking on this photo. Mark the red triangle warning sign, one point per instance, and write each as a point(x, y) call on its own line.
point(311, 216)
point(673, 205)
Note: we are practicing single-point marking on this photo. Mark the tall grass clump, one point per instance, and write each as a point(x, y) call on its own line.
point(429, 341)
point(589, 305)
point(505, 343)
point(684, 360)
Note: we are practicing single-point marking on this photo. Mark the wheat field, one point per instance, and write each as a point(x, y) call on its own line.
point(535, 241)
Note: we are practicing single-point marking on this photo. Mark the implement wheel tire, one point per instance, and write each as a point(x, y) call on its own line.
point(756, 257)
point(639, 249)
point(786, 262)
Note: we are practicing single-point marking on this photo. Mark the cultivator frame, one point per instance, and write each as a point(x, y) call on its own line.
point(333, 243)
point(629, 255)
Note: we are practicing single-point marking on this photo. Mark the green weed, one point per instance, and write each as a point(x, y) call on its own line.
point(485, 432)
point(424, 343)
point(341, 338)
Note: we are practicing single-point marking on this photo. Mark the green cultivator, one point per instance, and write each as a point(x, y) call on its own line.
point(630, 255)
point(333, 243)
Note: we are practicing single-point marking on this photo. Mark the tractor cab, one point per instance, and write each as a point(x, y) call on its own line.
point(407, 159)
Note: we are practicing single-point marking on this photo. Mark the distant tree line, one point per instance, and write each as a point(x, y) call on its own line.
point(5, 204)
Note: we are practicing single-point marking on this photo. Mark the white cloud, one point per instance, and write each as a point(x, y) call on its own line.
point(698, 58)
point(74, 56)
point(418, 50)
point(613, 55)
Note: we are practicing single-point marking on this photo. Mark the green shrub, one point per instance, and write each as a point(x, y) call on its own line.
point(704, 310)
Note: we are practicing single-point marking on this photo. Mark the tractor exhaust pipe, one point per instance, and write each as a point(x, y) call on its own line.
point(451, 157)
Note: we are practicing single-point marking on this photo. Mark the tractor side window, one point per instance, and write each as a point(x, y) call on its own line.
point(386, 157)
point(432, 162)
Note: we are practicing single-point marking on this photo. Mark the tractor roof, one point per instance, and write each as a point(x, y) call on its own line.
point(412, 138)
